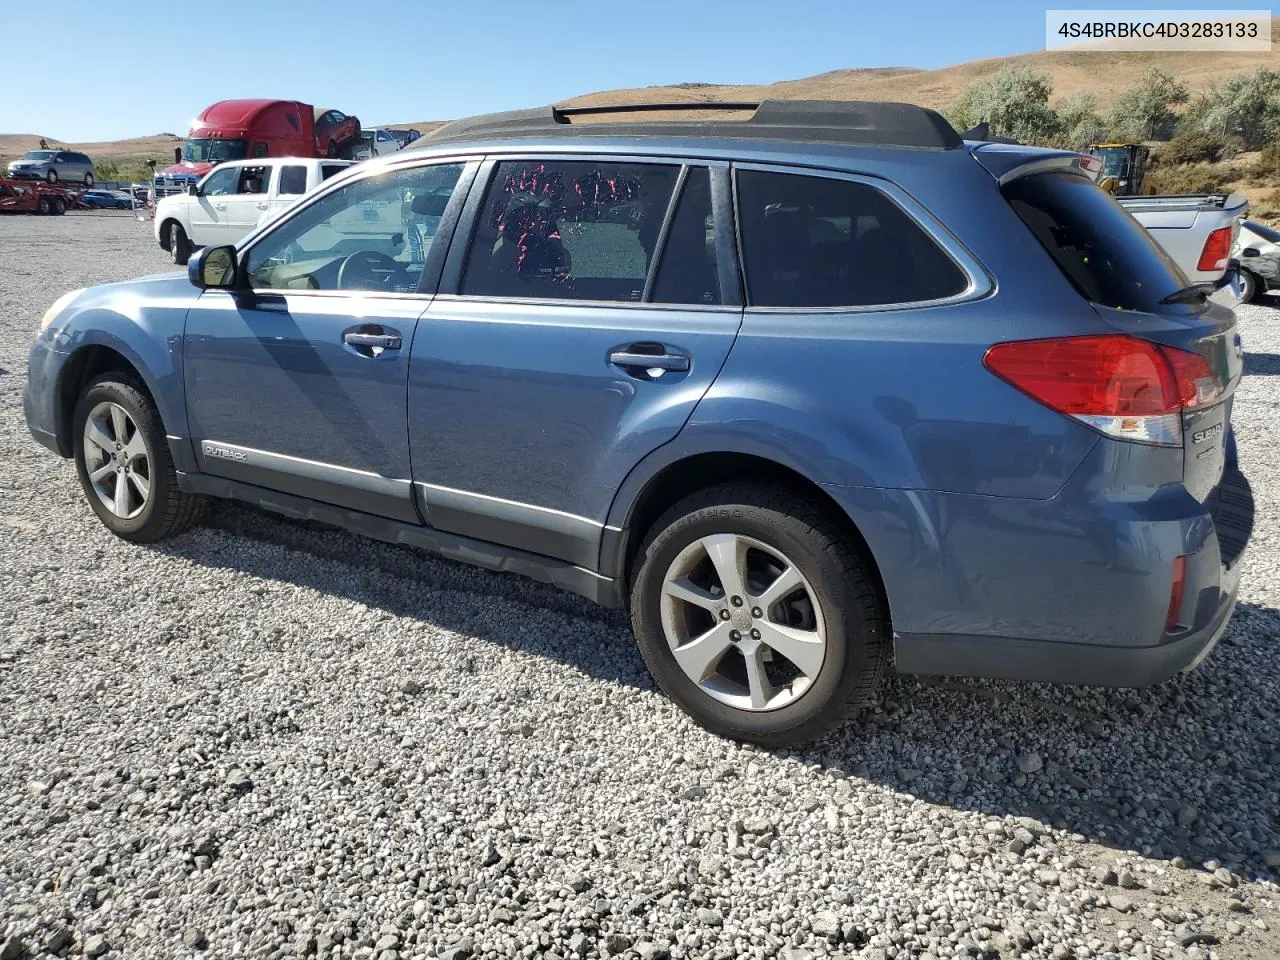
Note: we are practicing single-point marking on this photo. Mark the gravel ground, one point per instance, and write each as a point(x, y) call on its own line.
point(267, 739)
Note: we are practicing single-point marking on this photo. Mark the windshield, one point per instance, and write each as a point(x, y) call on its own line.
point(213, 151)
point(1265, 232)
point(1115, 161)
point(39, 154)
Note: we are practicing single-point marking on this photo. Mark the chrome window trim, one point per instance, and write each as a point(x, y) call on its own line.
point(594, 304)
point(980, 282)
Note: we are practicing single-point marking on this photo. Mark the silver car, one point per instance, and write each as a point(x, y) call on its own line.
point(65, 166)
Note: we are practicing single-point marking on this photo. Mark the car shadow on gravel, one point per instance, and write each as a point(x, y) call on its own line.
point(1186, 768)
point(1189, 767)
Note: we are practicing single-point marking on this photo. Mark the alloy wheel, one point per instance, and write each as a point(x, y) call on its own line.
point(743, 622)
point(117, 460)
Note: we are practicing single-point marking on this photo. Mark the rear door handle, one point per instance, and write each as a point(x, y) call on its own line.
point(387, 341)
point(649, 361)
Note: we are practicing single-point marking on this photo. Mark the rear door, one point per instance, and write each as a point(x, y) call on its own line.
point(580, 320)
point(289, 184)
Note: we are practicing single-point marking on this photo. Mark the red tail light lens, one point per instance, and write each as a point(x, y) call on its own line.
point(1125, 387)
point(1217, 250)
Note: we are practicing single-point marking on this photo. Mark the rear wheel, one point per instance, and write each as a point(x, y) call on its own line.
point(52, 176)
point(88, 179)
point(59, 206)
point(124, 466)
point(332, 152)
point(757, 616)
point(179, 244)
point(1250, 288)
point(43, 206)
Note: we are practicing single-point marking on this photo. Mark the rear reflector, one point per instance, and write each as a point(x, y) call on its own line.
point(1122, 386)
point(1175, 594)
point(1217, 250)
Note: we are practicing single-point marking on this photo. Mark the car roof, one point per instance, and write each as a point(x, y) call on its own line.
point(798, 122)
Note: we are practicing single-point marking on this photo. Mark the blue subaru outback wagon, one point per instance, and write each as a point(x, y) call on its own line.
point(812, 390)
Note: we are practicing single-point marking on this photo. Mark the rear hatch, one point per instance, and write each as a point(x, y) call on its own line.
point(1167, 376)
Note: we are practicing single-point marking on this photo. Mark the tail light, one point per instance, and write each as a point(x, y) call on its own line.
point(1217, 250)
point(1124, 387)
point(1175, 594)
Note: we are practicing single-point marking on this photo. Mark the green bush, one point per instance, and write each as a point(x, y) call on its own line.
point(1194, 178)
point(1194, 146)
point(1266, 167)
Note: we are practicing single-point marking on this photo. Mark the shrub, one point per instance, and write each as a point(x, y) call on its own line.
point(1267, 166)
point(1193, 178)
point(1194, 146)
point(1013, 100)
point(1145, 111)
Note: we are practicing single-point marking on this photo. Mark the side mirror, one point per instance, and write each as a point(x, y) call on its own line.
point(213, 268)
point(1252, 252)
point(193, 189)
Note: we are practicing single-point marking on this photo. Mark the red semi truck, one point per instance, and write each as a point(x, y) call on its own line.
point(247, 129)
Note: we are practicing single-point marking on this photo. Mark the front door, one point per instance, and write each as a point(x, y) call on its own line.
point(298, 382)
point(590, 317)
point(247, 207)
point(207, 212)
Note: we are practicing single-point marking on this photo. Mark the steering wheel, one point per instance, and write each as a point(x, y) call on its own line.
point(357, 270)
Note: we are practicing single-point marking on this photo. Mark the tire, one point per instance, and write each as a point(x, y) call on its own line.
point(1251, 289)
point(43, 206)
point(179, 244)
point(52, 176)
point(836, 601)
point(164, 511)
point(59, 206)
point(88, 179)
point(332, 151)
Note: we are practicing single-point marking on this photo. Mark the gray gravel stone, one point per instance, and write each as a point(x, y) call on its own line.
point(536, 750)
point(12, 948)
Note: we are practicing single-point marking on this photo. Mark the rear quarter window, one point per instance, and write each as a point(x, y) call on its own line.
point(810, 241)
point(1106, 254)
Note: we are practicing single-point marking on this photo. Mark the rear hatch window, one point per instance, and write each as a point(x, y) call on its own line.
point(1105, 253)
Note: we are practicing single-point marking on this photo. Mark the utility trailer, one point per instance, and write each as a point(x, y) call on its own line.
point(37, 196)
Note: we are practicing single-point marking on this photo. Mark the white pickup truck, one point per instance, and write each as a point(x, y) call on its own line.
point(233, 198)
point(1196, 231)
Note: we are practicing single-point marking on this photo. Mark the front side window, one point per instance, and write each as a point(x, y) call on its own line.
point(569, 229)
point(371, 234)
point(39, 155)
point(811, 241)
point(292, 180)
point(221, 183)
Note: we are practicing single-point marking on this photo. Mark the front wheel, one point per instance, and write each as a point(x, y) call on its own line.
point(52, 176)
point(758, 616)
point(43, 206)
point(88, 179)
point(124, 465)
point(332, 152)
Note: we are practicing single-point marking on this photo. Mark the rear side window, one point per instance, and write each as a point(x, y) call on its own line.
point(293, 180)
point(687, 271)
point(1102, 250)
point(822, 242)
point(327, 170)
point(574, 230)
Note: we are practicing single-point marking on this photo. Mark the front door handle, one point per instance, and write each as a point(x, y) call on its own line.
point(648, 361)
point(386, 341)
point(261, 206)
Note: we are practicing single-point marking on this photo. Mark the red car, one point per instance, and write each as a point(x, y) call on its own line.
point(336, 132)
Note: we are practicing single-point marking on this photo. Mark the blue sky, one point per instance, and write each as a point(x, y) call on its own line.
point(109, 77)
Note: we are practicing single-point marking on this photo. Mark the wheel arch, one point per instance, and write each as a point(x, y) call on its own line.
point(80, 368)
point(676, 478)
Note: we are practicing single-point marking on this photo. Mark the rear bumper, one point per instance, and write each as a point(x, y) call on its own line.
point(1055, 592)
